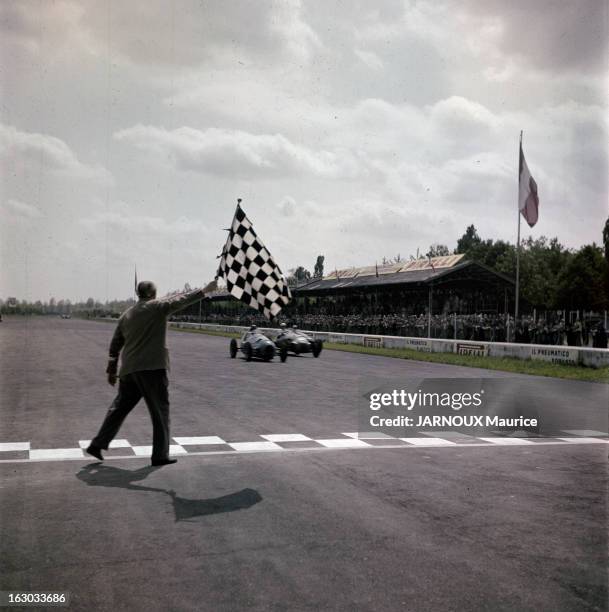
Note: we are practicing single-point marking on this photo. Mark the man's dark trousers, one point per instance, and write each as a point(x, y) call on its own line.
point(152, 385)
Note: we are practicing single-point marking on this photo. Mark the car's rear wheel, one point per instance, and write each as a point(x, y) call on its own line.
point(317, 346)
point(247, 351)
point(283, 354)
point(233, 348)
point(268, 352)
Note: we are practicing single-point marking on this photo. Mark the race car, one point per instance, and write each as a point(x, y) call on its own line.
point(298, 342)
point(255, 344)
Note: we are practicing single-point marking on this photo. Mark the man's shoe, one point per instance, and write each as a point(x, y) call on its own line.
point(164, 461)
point(95, 451)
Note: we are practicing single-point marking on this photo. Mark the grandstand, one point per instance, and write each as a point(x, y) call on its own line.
point(449, 283)
point(415, 277)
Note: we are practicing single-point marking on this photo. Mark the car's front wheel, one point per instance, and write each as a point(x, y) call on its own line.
point(233, 348)
point(283, 354)
point(247, 351)
point(317, 346)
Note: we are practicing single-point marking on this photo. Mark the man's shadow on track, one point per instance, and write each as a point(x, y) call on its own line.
point(99, 475)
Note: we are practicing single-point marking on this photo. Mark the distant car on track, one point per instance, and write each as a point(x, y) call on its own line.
point(298, 342)
point(254, 343)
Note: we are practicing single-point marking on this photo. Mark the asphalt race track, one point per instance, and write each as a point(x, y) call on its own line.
point(275, 503)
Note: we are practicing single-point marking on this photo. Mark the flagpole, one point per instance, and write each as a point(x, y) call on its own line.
point(429, 314)
point(518, 240)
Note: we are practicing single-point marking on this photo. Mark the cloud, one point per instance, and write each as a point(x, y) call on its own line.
point(300, 39)
point(370, 59)
point(239, 153)
point(547, 34)
point(120, 219)
point(34, 30)
point(191, 33)
point(287, 207)
point(21, 209)
point(47, 152)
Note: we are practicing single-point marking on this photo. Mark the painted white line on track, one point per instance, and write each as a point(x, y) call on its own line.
point(15, 446)
point(114, 444)
point(583, 440)
point(429, 442)
point(293, 437)
point(507, 441)
point(255, 446)
point(368, 435)
point(343, 443)
point(195, 440)
point(427, 447)
point(176, 449)
point(56, 453)
point(146, 451)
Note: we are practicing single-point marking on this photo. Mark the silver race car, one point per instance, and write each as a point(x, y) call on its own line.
point(254, 343)
point(298, 342)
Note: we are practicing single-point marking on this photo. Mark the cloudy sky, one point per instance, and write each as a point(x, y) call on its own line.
point(355, 129)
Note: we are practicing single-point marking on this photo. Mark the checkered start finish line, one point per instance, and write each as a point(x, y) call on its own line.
point(251, 274)
point(120, 448)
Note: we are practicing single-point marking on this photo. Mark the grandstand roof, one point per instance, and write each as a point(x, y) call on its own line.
point(434, 263)
point(419, 272)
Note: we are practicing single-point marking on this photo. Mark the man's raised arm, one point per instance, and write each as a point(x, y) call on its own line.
point(174, 303)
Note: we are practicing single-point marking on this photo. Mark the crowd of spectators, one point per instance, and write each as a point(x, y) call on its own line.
point(477, 327)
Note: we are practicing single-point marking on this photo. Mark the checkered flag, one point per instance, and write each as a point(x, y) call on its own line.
point(250, 271)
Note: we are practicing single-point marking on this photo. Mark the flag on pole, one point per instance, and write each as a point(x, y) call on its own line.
point(251, 274)
point(528, 199)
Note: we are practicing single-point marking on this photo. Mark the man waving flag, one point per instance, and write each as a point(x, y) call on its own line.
point(528, 199)
point(250, 271)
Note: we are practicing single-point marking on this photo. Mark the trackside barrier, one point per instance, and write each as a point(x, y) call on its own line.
point(569, 355)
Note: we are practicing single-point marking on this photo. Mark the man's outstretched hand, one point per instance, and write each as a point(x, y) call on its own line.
point(211, 287)
point(111, 371)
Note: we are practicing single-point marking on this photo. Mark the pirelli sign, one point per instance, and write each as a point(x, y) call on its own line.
point(470, 348)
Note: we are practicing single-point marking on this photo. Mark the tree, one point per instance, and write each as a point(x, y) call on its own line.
point(437, 250)
point(541, 263)
point(581, 283)
point(297, 276)
point(319, 267)
point(468, 241)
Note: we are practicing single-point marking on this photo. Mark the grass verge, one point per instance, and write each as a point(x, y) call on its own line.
point(505, 364)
